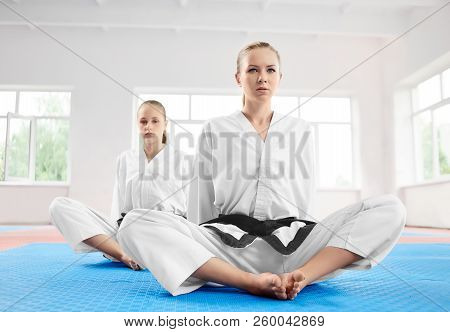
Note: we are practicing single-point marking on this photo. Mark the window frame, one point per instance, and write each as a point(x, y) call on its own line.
point(32, 139)
point(415, 111)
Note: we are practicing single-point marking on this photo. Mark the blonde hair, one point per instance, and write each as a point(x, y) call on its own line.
point(153, 103)
point(244, 51)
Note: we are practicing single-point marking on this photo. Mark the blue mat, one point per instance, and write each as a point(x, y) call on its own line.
point(50, 277)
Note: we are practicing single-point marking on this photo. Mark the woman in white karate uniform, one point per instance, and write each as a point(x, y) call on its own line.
point(255, 181)
point(151, 178)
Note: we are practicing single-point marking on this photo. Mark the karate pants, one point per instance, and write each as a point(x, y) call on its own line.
point(77, 222)
point(173, 248)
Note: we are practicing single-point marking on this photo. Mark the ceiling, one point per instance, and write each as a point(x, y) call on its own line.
point(369, 18)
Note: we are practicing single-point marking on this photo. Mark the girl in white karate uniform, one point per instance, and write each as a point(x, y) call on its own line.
point(151, 178)
point(255, 181)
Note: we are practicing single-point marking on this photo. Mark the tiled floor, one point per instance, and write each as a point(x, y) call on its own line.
point(16, 236)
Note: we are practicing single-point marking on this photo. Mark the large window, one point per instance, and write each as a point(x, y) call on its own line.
point(431, 124)
point(332, 121)
point(34, 130)
point(330, 117)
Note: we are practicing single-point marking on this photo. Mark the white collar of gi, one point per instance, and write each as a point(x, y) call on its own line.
point(247, 126)
point(159, 159)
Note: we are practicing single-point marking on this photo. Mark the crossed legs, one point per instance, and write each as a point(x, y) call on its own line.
point(371, 228)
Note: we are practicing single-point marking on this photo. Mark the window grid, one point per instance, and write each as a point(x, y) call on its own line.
point(319, 125)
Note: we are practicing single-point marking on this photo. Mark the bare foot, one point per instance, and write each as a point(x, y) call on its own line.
point(267, 284)
point(128, 261)
point(293, 282)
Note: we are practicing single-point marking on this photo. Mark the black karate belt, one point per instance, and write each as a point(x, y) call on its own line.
point(119, 221)
point(260, 228)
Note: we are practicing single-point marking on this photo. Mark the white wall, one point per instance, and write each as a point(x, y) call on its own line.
point(28, 205)
point(423, 52)
point(427, 205)
point(100, 119)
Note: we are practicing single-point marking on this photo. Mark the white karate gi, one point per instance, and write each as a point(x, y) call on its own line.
point(253, 183)
point(157, 185)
